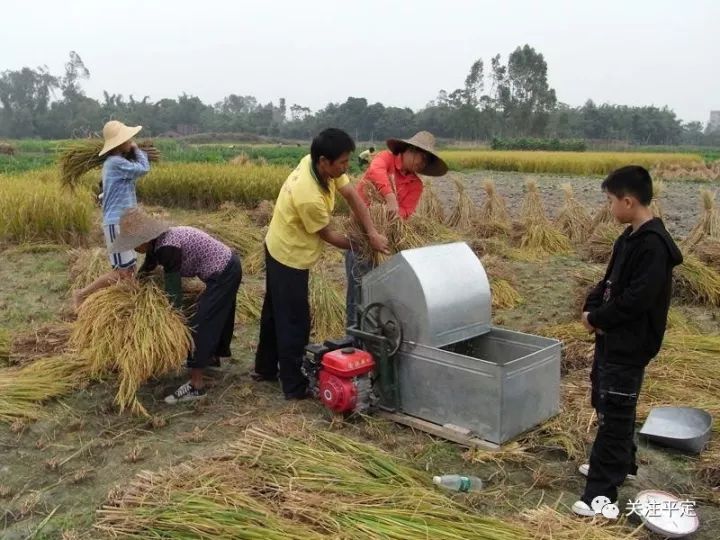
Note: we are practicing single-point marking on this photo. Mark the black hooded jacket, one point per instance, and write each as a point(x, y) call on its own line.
point(630, 304)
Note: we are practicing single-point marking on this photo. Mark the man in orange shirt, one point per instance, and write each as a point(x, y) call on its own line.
point(393, 174)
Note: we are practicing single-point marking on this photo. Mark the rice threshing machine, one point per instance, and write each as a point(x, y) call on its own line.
point(430, 357)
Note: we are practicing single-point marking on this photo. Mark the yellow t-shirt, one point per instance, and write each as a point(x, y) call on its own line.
point(302, 209)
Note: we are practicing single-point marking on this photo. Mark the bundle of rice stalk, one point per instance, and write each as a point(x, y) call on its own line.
point(573, 220)
point(694, 281)
point(599, 246)
point(23, 389)
point(249, 303)
point(430, 205)
point(400, 236)
point(493, 217)
point(87, 265)
point(538, 234)
point(130, 328)
point(532, 210)
point(241, 159)
point(80, 157)
point(708, 251)
point(655, 204)
point(709, 224)
point(464, 214)
point(578, 345)
point(46, 340)
point(504, 295)
point(425, 231)
point(327, 306)
point(544, 238)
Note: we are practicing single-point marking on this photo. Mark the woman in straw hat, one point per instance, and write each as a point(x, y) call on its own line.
point(189, 252)
point(125, 163)
point(393, 174)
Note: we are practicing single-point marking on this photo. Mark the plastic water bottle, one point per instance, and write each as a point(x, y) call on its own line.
point(457, 482)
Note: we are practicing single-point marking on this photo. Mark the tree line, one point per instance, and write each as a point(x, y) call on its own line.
point(508, 99)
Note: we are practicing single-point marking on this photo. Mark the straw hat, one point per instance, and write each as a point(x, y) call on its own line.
point(425, 141)
point(136, 228)
point(115, 133)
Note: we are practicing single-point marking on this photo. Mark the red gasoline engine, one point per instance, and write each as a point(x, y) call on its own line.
point(340, 375)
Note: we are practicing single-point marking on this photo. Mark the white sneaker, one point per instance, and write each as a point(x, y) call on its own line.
point(584, 469)
point(582, 509)
point(187, 392)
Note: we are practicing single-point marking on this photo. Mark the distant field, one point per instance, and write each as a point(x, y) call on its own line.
point(585, 163)
point(33, 154)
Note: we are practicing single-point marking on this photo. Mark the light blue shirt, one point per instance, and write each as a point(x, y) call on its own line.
point(119, 176)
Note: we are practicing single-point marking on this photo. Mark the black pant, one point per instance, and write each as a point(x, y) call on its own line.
point(284, 326)
point(214, 321)
point(615, 390)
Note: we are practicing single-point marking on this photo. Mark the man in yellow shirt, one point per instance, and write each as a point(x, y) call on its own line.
point(295, 239)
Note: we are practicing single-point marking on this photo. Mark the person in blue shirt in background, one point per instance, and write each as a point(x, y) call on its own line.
point(124, 165)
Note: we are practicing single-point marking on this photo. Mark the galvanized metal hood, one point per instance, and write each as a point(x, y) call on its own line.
point(440, 294)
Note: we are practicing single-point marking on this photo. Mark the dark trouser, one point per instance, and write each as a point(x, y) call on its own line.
point(214, 321)
point(355, 269)
point(362, 162)
point(615, 390)
point(284, 326)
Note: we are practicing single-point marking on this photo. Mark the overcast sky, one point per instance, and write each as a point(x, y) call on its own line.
point(635, 52)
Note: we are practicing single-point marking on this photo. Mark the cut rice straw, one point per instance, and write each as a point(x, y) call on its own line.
point(493, 218)
point(709, 224)
point(464, 214)
point(573, 220)
point(539, 236)
point(430, 205)
point(327, 306)
point(696, 282)
point(335, 488)
point(24, 389)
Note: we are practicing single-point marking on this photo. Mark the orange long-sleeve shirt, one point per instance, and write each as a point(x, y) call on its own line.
point(384, 167)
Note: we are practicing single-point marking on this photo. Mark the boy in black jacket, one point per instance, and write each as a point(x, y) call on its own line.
point(627, 312)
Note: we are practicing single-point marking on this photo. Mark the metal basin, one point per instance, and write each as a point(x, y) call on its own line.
point(684, 428)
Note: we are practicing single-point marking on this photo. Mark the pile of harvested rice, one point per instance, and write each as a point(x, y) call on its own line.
point(694, 281)
point(539, 236)
point(430, 205)
point(493, 217)
point(131, 329)
point(709, 224)
point(335, 488)
point(708, 251)
point(80, 157)
point(599, 246)
point(464, 214)
point(573, 220)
